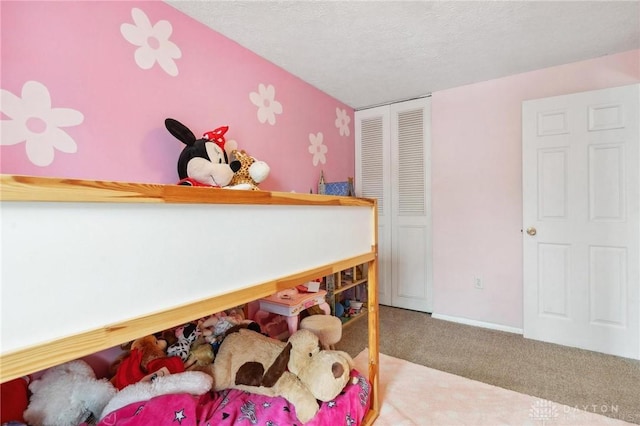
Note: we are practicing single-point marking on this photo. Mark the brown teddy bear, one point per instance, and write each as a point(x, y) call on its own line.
point(296, 370)
point(146, 356)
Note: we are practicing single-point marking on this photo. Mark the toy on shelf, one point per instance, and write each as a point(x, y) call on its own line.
point(354, 308)
point(251, 172)
point(344, 189)
point(205, 161)
point(321, 183)
point(290, 303)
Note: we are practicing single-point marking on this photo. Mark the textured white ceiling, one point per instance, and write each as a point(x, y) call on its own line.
point(366, 53)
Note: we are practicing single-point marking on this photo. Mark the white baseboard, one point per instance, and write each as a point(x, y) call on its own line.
point(476, 323)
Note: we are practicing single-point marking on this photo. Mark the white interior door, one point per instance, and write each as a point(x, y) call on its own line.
point(581, 214)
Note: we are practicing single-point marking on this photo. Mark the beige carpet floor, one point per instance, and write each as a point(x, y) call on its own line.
point(585, 380)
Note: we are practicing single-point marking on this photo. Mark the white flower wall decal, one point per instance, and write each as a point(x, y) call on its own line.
point(33, 121)
point(153, 41)
point(267, 105)
point(317, 148)
point(342, 122)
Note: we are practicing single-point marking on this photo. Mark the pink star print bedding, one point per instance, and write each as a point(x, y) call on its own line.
point(234, 407)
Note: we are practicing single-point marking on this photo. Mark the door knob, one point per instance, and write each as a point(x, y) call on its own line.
point(531, 231)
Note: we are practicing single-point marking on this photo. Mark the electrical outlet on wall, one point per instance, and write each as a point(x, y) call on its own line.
point(477, 283)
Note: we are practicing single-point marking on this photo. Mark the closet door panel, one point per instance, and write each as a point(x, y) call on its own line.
point(373, 181)
point(393, 166)
point(410, 189)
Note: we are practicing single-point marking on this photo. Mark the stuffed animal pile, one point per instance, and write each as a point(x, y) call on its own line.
point(296, 370)
point(216, 327)
point(69, 394)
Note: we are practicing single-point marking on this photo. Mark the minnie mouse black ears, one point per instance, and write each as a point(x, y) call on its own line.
point(180, 131)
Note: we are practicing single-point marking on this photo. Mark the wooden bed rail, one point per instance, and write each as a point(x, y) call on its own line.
point(31, 188)
point(21, 360)
point(66, 348)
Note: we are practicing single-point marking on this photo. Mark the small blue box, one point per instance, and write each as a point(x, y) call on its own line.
point(338, 188)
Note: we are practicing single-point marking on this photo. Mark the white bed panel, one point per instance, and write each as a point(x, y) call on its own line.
point(71, 267)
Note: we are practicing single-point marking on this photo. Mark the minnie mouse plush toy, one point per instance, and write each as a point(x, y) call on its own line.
point(204, 161)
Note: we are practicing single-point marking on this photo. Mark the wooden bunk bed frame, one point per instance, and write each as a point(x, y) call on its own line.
point(70, 287)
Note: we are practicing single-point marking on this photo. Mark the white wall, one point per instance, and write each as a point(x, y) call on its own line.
point(477, 189)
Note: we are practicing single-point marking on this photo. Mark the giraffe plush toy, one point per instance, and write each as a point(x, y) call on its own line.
point(251, 171)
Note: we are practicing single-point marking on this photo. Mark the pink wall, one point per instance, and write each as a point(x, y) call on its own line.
point(476, 183)
point(84, 95)
point(107, 108)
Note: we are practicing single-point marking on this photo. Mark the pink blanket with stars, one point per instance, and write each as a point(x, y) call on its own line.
point(234, 407)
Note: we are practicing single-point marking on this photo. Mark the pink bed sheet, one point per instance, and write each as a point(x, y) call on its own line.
point(234, 407)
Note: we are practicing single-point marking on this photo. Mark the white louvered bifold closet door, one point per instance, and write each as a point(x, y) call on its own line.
point(392, 165)
point(373, 180)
